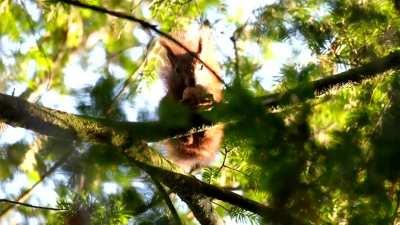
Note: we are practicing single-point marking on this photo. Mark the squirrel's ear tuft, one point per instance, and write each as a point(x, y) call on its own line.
point(170, 53)
point(200, 46)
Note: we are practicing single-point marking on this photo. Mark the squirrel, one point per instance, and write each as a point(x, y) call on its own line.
point(194, 86)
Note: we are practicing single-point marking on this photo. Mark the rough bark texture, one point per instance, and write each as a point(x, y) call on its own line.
point(190, 189)
point(202, 209)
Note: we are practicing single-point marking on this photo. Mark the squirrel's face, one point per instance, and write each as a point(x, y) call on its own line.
point(183, 65)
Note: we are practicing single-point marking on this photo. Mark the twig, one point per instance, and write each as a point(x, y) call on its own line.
point(223, 162)
point(234, 169)
point(216, 203)
point(24, 194)
point(185, 186)
point(41, 49)
point(234, 39)
point(128, 79)
point(30, 206)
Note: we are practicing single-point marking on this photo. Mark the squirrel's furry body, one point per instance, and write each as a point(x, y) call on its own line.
point(195, 86)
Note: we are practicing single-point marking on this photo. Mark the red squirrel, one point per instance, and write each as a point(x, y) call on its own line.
point(192, 84)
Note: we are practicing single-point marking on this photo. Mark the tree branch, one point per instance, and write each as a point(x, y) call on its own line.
point(19, 112)
point(199, 204)
point(194, 191)
point(380, 65)
point(202, 208)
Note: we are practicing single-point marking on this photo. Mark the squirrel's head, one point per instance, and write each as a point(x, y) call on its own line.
point(181, 60)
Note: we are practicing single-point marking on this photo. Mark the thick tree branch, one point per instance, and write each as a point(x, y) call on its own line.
point(199, 204)
point(194, 191)
point(380, 65)
point(202, 208)
point(19, 112)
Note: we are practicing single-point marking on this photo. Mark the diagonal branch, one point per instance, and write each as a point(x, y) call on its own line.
point(198, 203)
point(201, 207)
point(194, 192)
point(145, 25)
point(168, 201)
point(24, 195)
